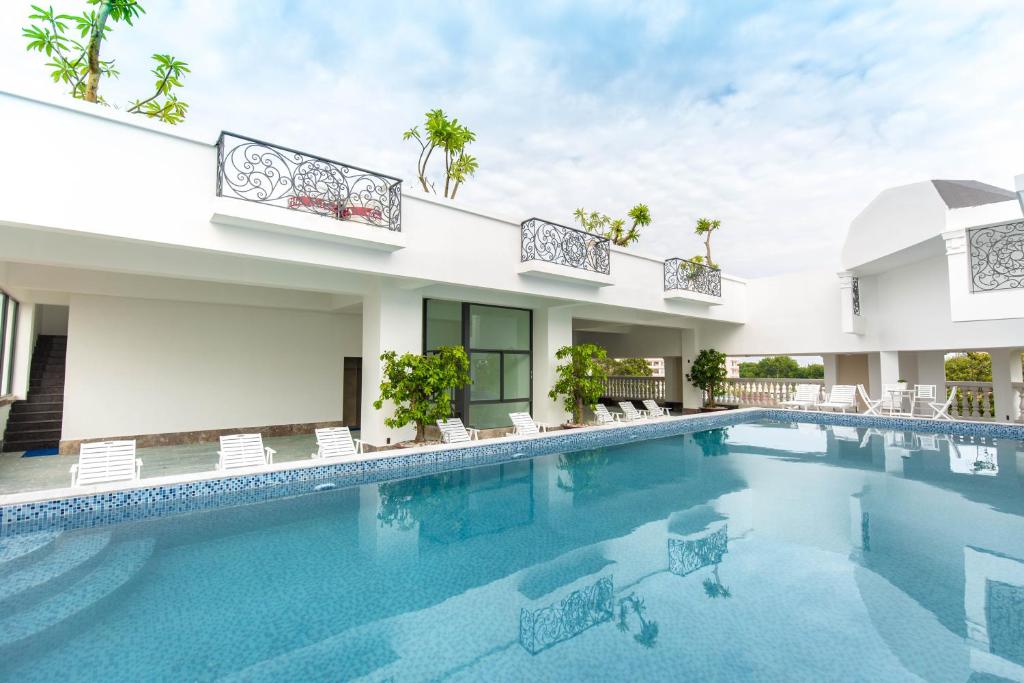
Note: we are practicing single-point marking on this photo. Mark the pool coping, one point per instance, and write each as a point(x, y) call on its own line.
point(162, 496)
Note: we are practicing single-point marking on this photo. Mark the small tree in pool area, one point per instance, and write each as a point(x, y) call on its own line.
point(580, 378)
point(707, 373)
point(421, 386)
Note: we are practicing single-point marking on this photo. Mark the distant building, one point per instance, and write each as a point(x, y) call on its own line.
point(732, 367)
point(657, 366)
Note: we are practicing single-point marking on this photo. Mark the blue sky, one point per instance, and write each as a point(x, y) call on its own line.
point(781, 119)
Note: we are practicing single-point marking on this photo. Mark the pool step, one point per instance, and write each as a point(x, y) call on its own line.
point(122, 563)
point(16, 549)
point(68, 555)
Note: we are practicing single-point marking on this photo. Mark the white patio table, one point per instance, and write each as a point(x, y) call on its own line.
point(898, 397)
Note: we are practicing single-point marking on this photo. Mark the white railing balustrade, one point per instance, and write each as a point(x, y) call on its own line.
point(974, 401)
point(766, 393)
point(634, 388)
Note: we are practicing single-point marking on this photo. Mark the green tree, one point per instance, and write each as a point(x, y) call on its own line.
point(707, 373)
point(780, 366)
point(614, 229)
point(704, 229)
point(629, 367)
point(973, 366)
point(78, 64)
point(580, 378)
point(421, 386)
point(451, 138)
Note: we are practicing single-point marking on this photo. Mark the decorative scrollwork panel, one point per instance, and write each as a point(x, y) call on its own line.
point(260, 172)
point(541, 628)
point(997, 257)
point(565, 246)
point(692, 277)
point(689, 555)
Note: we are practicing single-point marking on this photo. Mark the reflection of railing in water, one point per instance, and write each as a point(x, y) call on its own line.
point(541, 628)
point(686, 556)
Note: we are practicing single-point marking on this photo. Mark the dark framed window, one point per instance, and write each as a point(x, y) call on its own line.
point(8, 333)
point(499, 342)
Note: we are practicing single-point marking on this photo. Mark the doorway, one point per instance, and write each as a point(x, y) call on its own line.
point(352, 392)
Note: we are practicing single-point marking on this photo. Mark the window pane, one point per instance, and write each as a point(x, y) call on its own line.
point(444, 324)
point(490, 415)
point(499, 328)
point(485, 371)
point(517, 376)
point(6, 342)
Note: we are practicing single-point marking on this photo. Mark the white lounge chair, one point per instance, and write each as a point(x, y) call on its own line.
point(336, 442)
point(654, 410)
point(453, 431)
point(603, 416)
point(106, 461)
point(941, 410)
point(841, 397)
point(888, 396)
point(525, 425)
point(629, 411)
point(238, 451)
point(805, 396)
point(872, 405)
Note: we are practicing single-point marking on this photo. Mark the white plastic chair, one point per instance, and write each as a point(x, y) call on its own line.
point(805, 396)
point(453, 431)
point(629, 411)
point(654, 410)
point(941, 410)
point(872, 405)
point(525, 425)
point(336, 442)
point(925, 393)
point(841, 397)
point(602, 414)
point(106, 461)
point(887, 396)
point(238, 451)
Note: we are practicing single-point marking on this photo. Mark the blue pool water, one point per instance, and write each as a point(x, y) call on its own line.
point(762, 551)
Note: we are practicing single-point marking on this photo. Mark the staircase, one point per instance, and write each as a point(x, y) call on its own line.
point(36, 421)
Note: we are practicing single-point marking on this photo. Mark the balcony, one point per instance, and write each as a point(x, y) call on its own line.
point(365, 206)
point(558, 252)
point(691, 281)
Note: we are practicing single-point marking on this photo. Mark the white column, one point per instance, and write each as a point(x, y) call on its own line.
point(1006, 370)
point(692, 396)
point(831, 363)
point(889, 367)
point(931, 369)
point(958, 267)
point(552, 329)
point(392, 321)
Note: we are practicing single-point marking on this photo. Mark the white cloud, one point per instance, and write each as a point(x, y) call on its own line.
point(783, 122)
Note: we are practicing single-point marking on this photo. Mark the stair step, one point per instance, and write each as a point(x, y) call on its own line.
point(67, 556)
point(45, 399)
point(20, 546)
point(22, 446)
point(37, 416)
point(24, 428)
point(122, 563)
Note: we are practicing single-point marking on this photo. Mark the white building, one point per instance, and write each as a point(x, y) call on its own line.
point(206, 283)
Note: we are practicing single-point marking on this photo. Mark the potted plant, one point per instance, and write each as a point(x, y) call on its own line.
point(581, 378)
point(708, 373)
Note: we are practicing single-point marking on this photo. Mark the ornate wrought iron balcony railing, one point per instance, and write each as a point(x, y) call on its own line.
point(997, 256)
point(692, 277)
point(258, 171)
point(554, 243)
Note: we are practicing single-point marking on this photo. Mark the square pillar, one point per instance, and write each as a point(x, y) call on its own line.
point(552, 329)
point(1006, 371)
point(831, 363)
point(931, 369)
point(692, 396)
point(392, 321)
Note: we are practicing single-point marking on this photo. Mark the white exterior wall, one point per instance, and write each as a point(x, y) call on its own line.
point(138, 366)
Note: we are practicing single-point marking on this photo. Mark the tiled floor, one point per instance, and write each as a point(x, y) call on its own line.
point(18, 474)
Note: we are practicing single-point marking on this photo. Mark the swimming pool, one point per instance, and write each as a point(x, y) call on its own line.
point(764, 550)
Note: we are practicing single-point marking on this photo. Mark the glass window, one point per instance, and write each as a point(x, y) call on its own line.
point(444, 324)
point(485, 371)
point(499, 328)
point(488, 415)
point(8, 331)
point(517, 376)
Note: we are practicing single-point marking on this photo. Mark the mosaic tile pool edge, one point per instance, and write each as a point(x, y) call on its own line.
point(101, 509)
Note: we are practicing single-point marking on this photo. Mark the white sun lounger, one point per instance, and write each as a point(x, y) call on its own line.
point(453, 431)
point(842, 397)
point(336, 442)
point(654, 410)
point(629, 411)
point(602, 414)
point(525, 425)
point(238, 451)
point(106, 461)
point(805, 396)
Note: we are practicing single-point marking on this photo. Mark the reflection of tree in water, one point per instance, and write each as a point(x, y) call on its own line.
point(713, 587)
point(582, 471)
point(648, 635)
point(712, 441)
point(436, 497)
